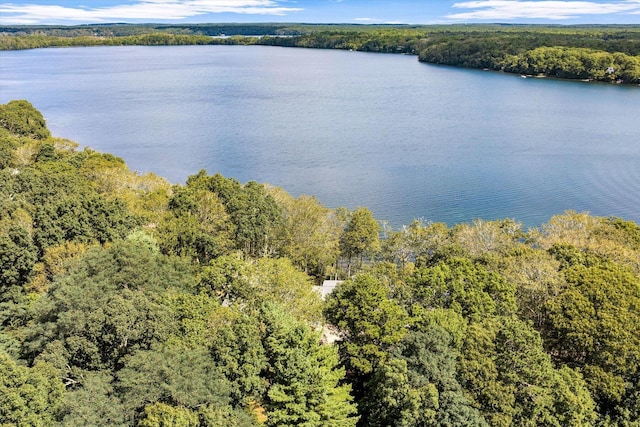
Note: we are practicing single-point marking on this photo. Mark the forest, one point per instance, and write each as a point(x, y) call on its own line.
point(606, 53)
point(129, 301)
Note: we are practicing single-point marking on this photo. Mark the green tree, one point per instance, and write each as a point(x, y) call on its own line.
point(512, 381)
point(280, 282)
point(46, 153)
point(183, 378)
point(417, 385)
point(254, 212)
point(465, 287)
point(393, 400)
point(85, 219)
point(29, 397)
point(537, 277)
point(369, 322)
point(91, 400)
point(594, 325)
point(21, 118)
point(236, 347)
point(162, 415)
point(233, 338)
point(197, 226)
point(309, 234)
point(361, 236)
point(228, 278)
point(416, 242)
point(17, 258)
point(251, 283)
point(304, 380)
point(8, 144)
point(108, 306)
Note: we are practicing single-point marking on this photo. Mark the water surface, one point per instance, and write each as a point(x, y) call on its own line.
point(406, 139)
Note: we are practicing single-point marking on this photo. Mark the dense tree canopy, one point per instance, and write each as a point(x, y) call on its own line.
point(22, 119)
point(29, 397)
point(125, 301)
point(594, 325)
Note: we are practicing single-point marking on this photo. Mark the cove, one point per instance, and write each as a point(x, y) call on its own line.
point(406, 139)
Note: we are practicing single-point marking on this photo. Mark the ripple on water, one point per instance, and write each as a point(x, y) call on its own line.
point(405, 139)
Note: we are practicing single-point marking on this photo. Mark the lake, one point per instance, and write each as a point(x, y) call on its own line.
point(406, 139)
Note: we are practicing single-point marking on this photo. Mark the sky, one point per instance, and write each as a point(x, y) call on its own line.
point(73, 12)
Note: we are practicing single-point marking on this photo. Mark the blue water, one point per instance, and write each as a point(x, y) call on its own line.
point(406, 139)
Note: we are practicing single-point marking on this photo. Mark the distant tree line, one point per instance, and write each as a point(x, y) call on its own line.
point(127, 301)
point(570, 56)
point(121, 30)
point(600, 53)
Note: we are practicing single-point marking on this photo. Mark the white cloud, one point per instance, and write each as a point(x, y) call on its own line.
point(148, 10)
point(498, 10)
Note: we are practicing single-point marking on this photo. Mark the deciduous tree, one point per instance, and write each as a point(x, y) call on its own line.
point(21, 118)
point(369, 322)
point(29, 397)
point(360, 237)
point(594, 325)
